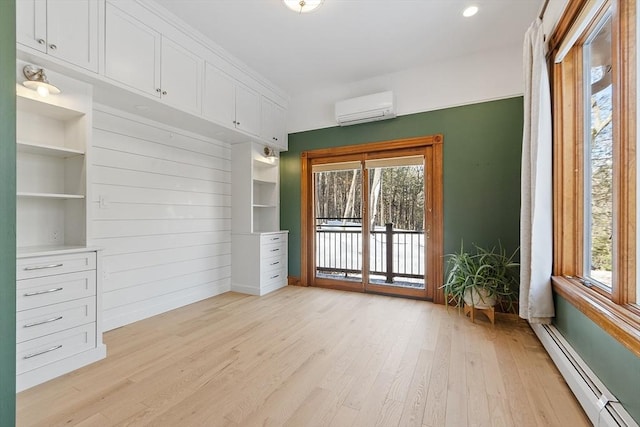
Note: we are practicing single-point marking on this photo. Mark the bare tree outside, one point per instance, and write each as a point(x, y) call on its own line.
point(599, 160)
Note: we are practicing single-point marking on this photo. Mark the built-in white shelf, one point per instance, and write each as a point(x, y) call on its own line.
point(264, 206)
point(47, 150)
point(50, 107)
point(265, 162)
point(50, 195)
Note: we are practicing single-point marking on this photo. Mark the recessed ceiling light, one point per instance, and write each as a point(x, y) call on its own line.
point(470, 11)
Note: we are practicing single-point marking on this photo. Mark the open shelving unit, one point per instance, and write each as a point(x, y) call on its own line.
point(259, 247)
point(264, 194)
point(51, 180)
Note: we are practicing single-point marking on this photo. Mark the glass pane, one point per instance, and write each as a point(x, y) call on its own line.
point(599, 158)
point(396, 248)
point(338, 219)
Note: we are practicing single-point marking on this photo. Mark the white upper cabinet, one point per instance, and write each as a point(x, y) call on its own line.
point(64, 29)
point(132, 52)
point(230, 103)
point(141, 58)
point(219, 102)
point(273, 124)
point(130, 45)
point(31, 23)
point(247, 110)
point(181, 77)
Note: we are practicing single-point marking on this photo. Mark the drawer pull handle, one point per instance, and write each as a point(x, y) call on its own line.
point(48, 291)
point(42, 267)
point(275, 263)
point(275, 250)
point(40, 353)
point(53, 319)
point(273, 239)
point(275, 277)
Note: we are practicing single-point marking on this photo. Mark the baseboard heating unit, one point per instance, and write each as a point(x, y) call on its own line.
point(602, 408)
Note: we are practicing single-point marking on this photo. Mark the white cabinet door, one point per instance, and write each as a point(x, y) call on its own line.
point(267, 128)
point(132, 52)
point(65, 29)
point(31, 23)
point(181, 75)
point(72, 32)
point(280, 127)
point(219, 102)
point(247, 110)
point(273, 124)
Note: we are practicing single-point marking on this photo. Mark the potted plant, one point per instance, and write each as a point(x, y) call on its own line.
point(483, 279)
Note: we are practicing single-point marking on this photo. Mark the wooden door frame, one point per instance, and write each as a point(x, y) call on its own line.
point(432, 148)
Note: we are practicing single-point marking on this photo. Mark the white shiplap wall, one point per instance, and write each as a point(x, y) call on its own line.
point(161, 209)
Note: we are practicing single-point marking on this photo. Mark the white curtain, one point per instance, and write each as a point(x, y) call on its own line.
point(536, 216)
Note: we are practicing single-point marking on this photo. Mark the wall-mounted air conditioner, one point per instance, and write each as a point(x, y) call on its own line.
point(369, 108)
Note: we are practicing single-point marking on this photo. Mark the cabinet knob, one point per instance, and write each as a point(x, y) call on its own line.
point(53, 47)
point(234, 122)
point(238, 123)
point(158, 90)
point(164, 92)
point(41, 41)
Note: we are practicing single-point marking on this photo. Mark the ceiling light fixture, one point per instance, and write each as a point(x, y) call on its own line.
point(37, 80)
point(303, 6)
point(470, 11)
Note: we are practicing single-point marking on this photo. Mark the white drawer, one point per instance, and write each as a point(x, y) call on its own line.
point(54, 318)
point(271, 250)
point(51, 348)
point(27, 268)
point(272, 263)
point(42, 291)
point(269, 277)
point(273, 238)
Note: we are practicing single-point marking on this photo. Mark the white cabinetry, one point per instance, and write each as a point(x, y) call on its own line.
point(230, 103)
point(65, 29)
point(58, 287)
point(259, 263)
point(273, 124)
point(58, 320)
point(141, 58)
point(259, 247)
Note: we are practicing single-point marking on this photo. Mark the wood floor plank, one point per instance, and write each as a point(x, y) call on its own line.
point(435, 412)
point(415, 403)
point(310, 357)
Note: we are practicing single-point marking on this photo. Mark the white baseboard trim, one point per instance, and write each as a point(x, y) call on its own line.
point(256, 290)
point(245, 289)
point(602, 408)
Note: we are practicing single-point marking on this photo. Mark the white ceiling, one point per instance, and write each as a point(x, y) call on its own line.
point(350, 40)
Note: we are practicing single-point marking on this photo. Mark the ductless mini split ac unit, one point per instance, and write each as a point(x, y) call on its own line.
point(363, 109)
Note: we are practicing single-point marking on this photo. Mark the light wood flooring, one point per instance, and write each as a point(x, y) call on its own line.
point(306, 357)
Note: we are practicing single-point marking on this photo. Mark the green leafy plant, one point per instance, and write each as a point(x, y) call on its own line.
point(490, 271)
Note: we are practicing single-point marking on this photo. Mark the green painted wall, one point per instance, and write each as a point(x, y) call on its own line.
point(7, 213)
point(482, 150)
point(617, 367)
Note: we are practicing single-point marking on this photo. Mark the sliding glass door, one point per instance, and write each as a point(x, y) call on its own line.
point(396, 224)
point(338, 224)
point(369, 213)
